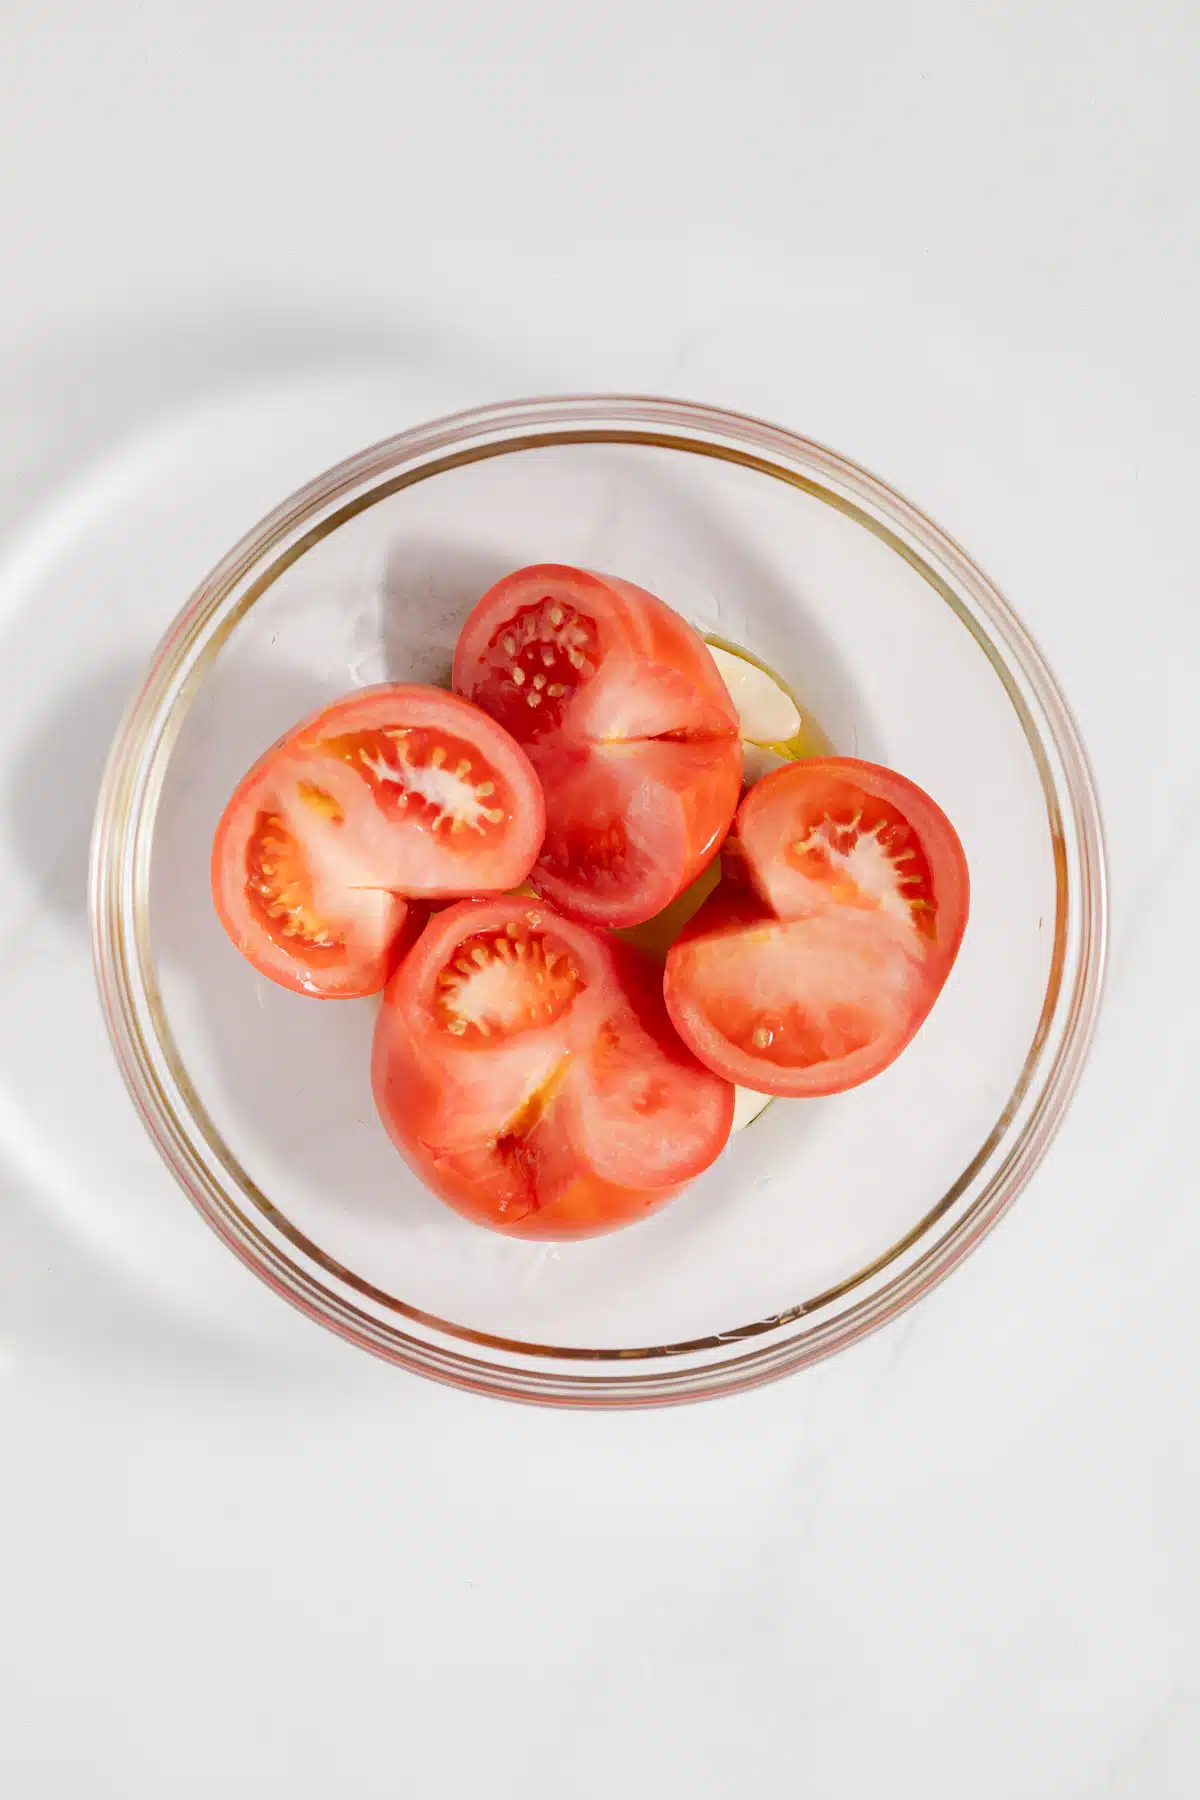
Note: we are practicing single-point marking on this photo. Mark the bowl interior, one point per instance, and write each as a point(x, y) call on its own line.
point(815, 1198)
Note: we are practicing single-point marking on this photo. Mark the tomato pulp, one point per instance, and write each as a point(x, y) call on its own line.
point(526, 1069)
point(395, 795)
point(823, 950)
point(628, 723)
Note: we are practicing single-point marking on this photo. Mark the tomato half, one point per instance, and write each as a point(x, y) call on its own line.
point(394, 794)
point(628, 724)
point(820, 955)
point(526, 1069)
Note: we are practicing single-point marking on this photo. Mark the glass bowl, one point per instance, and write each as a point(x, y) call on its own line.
point(823, 1218)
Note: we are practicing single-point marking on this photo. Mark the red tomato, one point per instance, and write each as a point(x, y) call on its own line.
point(527, 1071)
point(822, 952)
point(393, 794)
point(628, 724)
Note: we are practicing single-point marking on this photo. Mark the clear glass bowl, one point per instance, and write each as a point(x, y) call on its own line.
point(821, 1220)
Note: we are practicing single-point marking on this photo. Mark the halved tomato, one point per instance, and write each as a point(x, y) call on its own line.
point(628, 724)
point(394, 794)
point(526, 1069)
point(818, 958)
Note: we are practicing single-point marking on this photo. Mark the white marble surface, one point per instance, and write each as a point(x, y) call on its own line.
point(958, 242)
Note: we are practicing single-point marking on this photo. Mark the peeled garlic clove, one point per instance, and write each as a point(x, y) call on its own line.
point(758, 761)
point(766, 714)
point(747, 1104)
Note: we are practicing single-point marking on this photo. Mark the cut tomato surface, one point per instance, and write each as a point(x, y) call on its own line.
point(394, 796)
point(628, 723)
point(526, 1068)
point(823, 950)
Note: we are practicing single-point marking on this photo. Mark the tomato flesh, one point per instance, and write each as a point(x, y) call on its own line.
point(627, 722)
point(526, 1068)
point(826, 837)
point(537, 658)
point(822, 953)
point(394, 795)
point(280, 889)
point(506, 981)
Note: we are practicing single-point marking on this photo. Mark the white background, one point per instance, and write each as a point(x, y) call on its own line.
point(959, 242)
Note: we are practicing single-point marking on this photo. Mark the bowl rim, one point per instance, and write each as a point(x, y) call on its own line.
point(150, 1063)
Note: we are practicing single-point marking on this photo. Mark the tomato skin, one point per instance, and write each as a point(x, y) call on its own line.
point(585, 1206)
point(562, 1123)
point(628, 723)
point(333, 844)
point(822, 952)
